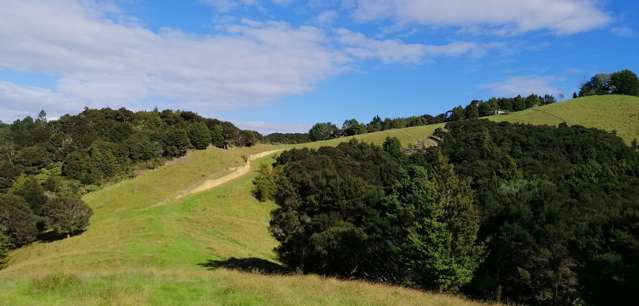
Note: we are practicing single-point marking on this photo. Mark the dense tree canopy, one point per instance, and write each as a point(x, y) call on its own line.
point(556, 207)
point(523, 214)
point(361, 211)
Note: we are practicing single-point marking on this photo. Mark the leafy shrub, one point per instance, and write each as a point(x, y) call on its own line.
point(66, 215)
point(264, 185)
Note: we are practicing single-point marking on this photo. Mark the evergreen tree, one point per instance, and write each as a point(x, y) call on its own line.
point(199, 135)
point(442, 241)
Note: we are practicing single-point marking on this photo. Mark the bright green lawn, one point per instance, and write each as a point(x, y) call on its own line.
point(145, 246)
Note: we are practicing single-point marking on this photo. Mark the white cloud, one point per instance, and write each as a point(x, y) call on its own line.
point(523, 85)
point(363, 47)
point(502, 16)
point(102, 61)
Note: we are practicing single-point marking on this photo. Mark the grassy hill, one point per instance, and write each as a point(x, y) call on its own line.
point(147, 245)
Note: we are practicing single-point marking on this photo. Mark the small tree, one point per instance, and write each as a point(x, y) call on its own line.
point(264, 184)
point(322, 131)
point(217, 136)
point(67, 215)
point(625, 82)
point(199, 135)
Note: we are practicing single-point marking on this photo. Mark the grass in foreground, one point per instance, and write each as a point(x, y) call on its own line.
point(144, 246)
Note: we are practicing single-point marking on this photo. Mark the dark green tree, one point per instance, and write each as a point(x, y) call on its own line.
point(353, 127)
point(17, 221)
point(176, 143)
point(33, 193)
point(66, 215)
point(199, 135)
point(472, 110)
point(457, 113)
point(375, 125)
point(248, 138)
point(393, 147)
point(141, 147)
point(624, 82)
point(442, 247)
point(322, 131)
point(217, 136)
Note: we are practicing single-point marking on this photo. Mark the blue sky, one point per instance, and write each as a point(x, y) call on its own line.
point(281, 65)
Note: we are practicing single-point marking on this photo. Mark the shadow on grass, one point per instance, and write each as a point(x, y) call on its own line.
point(52, 236)
point(252, 265)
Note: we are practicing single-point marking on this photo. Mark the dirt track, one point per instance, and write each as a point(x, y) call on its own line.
point(237, 172)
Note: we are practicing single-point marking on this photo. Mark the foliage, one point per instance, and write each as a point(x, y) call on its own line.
point(474, 110)
point(17, 221)
point(556, 210)
point(287, 138)
point(199, 135)
point(66, 215)
point(624, 82)
point(264, 184)
point(353, 127)
point(33, 193)
point(322, 131)
point(360, 211)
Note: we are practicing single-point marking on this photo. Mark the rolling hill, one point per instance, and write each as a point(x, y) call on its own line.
point(150, 242)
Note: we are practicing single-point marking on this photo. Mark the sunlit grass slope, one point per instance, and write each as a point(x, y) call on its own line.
point(147, 246)
point(144, 246)
point(618, 113)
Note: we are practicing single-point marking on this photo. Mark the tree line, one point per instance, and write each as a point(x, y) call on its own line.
point(624, 82)
point(522, 214)
point(45, 166)
point(474, 110)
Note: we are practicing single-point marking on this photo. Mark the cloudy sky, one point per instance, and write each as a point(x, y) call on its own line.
point(281, 65)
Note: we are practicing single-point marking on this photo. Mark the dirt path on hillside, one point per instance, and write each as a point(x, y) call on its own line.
point(236, 173)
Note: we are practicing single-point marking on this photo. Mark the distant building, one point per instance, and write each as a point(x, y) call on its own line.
point(500, 112)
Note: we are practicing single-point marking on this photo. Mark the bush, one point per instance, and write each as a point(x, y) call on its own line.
point(66, 215)
point(264, 184)
point(17, 221)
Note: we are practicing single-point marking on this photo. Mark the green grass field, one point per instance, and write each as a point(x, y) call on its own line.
point(146, 246)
